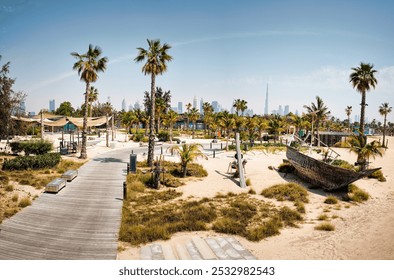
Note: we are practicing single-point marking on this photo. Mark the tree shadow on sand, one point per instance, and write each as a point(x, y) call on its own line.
point(228, 176)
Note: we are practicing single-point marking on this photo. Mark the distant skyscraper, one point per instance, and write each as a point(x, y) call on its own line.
point(287, 110)
point(195, 102)
point(296, 112)
point(180, 107)
point(201, 106)
point(109, 99)
point(124, 105)
point(131, 107)
point(52, 105)
point(280, 110)
point(216, 106)
point(266, 102)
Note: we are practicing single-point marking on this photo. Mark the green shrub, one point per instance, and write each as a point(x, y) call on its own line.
point(325, 226)
point(267, 229)
point(227, 225)
point(24, 202)
point(163, 136)
point(251, 191)
point(248, 182)
point(322, 217)
point(289, 216)
point(331, 200)
point(378, 175)
point(140, 137)
point(300, 206)
point(15, 197)
point(343, 164)
point(32, 147)
point(32, 162)
point(356, 194)
point(286, 167)
point(288, 191)
point(9, 188)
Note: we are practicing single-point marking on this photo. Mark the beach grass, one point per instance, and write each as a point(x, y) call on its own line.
point(326, 226)
point(287, 191)
point(331, 200)
point(356, 194)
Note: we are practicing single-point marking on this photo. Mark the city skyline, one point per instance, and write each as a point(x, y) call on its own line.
point(222, 51)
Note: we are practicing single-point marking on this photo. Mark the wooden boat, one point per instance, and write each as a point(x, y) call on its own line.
point(322, 174)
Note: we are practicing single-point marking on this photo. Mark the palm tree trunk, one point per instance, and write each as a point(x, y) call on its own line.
point(106, 129)
point(85, 124)
point(348, 119)
point(170, 133)
point(362, 116)
point(151, 144)
point(384, 131)
point(184, 170)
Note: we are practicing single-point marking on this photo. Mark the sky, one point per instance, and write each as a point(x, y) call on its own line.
point(222, 50)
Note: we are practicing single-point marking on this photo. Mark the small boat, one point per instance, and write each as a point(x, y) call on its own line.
point(322, 174)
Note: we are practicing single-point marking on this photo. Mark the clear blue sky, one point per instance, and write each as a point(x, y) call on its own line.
point(222, 50)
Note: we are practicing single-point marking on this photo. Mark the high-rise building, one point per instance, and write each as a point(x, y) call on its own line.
point(124, 105)
point(266, 102)
point(131, 107)
point(52, 105)
point(216, 106)
point(195, 102)
point(180, 107)
point(109, 99)
point(201, 106)
point(296, 112)
point(280, 110)
point(287, 110)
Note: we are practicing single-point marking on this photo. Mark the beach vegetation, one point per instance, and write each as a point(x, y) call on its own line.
point(318, 113)
point(248, 182)
point(156, 58)
point(322, 217)
point(251, 191)
point(287, 191)
point(88, 65)
point(378, 175)
point(187, 153)
point(356, 194)
point(24, 202)
point(364, 149)
point(326, 226)
point(331, 200)
point(32, 162)
point(286, 167)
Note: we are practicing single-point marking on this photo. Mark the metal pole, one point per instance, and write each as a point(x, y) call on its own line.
point(124, 191)
point(242, 183)
point(214, 154)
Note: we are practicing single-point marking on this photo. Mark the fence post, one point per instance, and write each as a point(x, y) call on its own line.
point(214, 154)
point(124, 191)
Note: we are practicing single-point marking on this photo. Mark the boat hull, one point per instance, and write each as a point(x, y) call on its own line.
point(321, 174)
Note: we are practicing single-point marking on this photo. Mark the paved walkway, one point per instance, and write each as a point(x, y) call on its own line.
point(80, 222)
point(219, 248)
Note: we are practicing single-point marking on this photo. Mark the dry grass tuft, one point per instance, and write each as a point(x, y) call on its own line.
point(325, 227)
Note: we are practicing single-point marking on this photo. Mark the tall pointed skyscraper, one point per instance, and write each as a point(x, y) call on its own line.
point(266, 102)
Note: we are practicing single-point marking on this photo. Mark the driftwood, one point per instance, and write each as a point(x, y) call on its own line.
point(321, 174)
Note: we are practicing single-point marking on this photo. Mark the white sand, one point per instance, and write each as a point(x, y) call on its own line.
point(363, 231)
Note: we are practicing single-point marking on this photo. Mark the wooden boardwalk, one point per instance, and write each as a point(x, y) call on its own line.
point(80, 222)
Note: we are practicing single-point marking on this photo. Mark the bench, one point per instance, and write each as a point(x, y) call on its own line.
point(69, 175)
point(55, 185)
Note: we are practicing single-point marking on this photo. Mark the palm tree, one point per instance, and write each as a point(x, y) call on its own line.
point(363, 79)
point(129, 119)
point(262, 125)
point(208, 115)
point(193, 116)
point(359, 145)
point(107, 107)
point(319, 113)
point(88, 65)
point(276, 126)
point(227, 122)
point(156, 64)
point(251, 124)
point(384, 110)
point(188, 108)
point(170, 120)
point(93, 97)
point(187, 153)
point(240, 105)
point(348, 112)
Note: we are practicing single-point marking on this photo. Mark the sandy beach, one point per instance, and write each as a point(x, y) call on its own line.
point(362, 231)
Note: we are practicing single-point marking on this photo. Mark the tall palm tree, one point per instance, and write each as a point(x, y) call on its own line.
point(240, 105)
point(276, 126)
point(93, 97)
point(188, 153)
point(362, 78)
point(262, 125)
point(251, 125)
point(348, 112)
point(319, 113)
point(188, 108)
point(88, 65)
point(208, 115)
point(156, 64)
point(170, 120)
point(227, 122)
point(243, 106)
point(193, 116)
point(384, 110)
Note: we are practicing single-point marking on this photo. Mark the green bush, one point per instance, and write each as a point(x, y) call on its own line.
point(163, 136)
point(140, 137)
point(31, 147)
point(288, 191)
point(325, 226)
point(343, 164)
point(286, 167)
point(378, 175)
point(331, 200)
point(356, 194)
point(32, 162)
point(25, 202)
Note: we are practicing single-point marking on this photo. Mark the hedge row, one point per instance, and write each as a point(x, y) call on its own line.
point(31, 147)
point(32, 162)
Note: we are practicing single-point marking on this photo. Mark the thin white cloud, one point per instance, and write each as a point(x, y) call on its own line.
point(51, 81)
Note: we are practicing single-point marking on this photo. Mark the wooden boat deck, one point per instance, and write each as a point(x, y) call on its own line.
point(79, 222)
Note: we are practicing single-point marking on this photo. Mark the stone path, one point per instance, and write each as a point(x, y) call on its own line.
point(219, 248)
point(79, 222)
